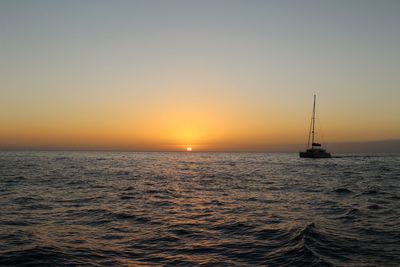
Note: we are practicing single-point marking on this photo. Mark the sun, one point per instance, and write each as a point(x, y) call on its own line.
point(189, 149)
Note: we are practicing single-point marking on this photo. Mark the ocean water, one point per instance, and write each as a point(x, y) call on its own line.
point(192, 209)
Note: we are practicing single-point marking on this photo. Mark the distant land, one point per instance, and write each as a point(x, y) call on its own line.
point(381, 146)
point(388, 146)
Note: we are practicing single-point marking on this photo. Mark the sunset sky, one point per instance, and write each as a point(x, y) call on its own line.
point(213, 75)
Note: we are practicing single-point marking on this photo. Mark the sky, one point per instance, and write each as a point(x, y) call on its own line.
point(218, 75)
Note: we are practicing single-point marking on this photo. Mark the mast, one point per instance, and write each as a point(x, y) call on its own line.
point(313, 124)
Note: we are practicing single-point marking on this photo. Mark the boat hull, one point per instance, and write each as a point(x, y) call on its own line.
point(315, 154)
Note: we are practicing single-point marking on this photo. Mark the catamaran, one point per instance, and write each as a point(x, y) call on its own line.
point(315, 150)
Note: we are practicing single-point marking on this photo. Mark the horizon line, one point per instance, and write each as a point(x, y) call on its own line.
point(338, 147)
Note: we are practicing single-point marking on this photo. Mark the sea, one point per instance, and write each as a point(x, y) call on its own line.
point(198, 209)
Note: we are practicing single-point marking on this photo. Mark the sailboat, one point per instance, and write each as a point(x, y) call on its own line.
point(315, 150)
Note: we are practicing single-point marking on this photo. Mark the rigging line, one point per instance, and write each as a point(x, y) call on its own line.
point(320, 132)
point(313, 125)
point(309, 131)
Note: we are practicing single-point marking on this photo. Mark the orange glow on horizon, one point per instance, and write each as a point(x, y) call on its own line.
point(211, 123)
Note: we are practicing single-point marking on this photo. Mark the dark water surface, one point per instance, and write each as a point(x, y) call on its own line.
point(190, 209)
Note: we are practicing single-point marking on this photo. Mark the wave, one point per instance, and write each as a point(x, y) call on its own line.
point(343, 191)
point(57, 256)
point(305, 246)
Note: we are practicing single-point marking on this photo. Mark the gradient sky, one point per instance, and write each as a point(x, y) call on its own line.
point(216, 75)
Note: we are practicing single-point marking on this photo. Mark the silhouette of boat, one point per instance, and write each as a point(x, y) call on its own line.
point(315, 150)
